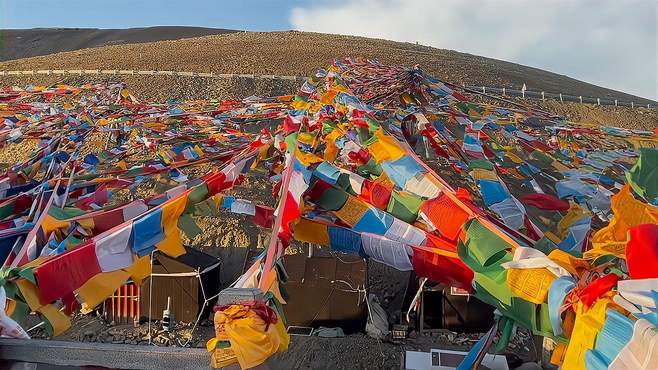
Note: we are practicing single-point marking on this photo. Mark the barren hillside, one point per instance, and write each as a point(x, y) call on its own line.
point(301, 53)
point(16, 44)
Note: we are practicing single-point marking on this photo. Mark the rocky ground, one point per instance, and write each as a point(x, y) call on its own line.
point(355, 351)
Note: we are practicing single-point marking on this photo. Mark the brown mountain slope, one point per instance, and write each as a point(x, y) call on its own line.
point(16, 44)
point(301, 53)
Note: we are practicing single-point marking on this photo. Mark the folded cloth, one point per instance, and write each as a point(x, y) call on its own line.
point(252, 339)
point(329, 332)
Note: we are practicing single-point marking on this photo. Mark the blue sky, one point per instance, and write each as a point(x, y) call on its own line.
point(611, 43)
point(252, 15)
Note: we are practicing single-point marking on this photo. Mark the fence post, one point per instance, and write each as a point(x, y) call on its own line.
point(598, 101)
point(616, 103)
point(632, 105)
point(581, 99)
point(561, 101)
point(542, 96)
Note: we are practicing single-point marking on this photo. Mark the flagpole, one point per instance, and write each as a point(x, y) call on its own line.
point(274, 240)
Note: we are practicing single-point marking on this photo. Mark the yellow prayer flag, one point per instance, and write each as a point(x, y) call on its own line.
point(530, 284)
point(140, 270)
point(311, 232)
point(171, 212)
point(307, 158)
point(570, 263)
point(57, 319)
point(482, 174)
point(352, 211)
point(628, 212)
point(385, 148)
point(98, 288)
point(574, 214)
point(586, 327)
point(30, 293)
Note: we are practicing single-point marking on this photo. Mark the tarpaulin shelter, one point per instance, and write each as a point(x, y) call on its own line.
point(191, 281)
point(441, 307)
point(326, 291)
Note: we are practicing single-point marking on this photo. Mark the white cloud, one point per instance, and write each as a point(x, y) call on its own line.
point(612, 43)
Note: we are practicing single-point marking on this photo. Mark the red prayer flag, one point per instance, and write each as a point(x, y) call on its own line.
point(545, 201)
point(66, 272)
point(436, 267)
point(642, 252)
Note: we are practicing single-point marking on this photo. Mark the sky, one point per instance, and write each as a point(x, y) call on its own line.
point(611, 43)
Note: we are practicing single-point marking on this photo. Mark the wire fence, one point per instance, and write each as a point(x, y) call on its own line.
point(558, 96)
point(130, 72)
point(502, 91)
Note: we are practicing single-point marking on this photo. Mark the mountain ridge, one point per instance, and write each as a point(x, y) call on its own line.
point(25, 43)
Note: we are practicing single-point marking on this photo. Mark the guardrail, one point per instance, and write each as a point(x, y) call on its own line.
point(484, 89)
point(542, 95)
point(130, 72)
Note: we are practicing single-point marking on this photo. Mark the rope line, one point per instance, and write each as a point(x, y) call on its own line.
point(503, 91)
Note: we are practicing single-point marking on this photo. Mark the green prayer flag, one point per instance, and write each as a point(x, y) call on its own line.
point(343, 182)
point(544, 327)
point(545, 245)
point(373, 139)
point(495, 285)
point(21, 310)
point(541, 157)
point(480, 163)
point(290, 142)
point(364, 134)
point(506, 327)
point(332, 199)
point(370, 168)
point(7, 210)
point(65, 213)
point(206, 208)
point(198, 194)
point(28, 274)
point(643, 177)
point(523, 313)
point(486, 247)
point(189, 227)
point(328, 126)
point(10, 289)
point(404, 206)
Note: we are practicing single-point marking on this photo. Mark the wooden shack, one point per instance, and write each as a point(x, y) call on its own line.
point(326, 291)
point(187, 279)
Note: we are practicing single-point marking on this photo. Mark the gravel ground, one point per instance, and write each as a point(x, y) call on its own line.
point(355, 351)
